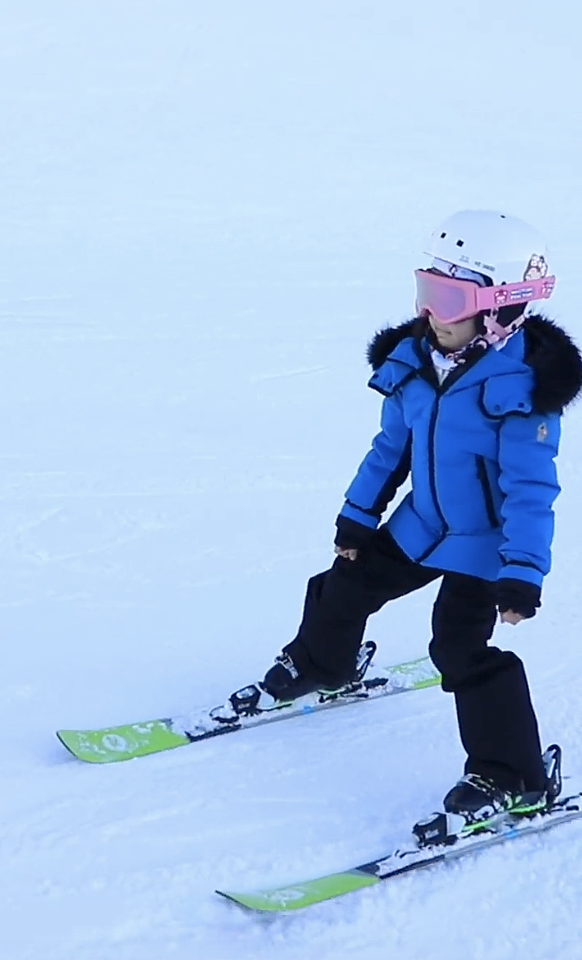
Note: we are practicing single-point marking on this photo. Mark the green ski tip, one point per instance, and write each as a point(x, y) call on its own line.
point(121, 743)
point(299, 895)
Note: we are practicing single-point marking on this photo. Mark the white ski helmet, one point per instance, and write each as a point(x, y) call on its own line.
point(499, 247)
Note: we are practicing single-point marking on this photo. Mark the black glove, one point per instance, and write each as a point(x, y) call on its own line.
point(518, 595)
point(351, 535)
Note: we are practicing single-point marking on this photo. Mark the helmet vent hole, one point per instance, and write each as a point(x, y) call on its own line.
point(443, 235)
point(460, 243)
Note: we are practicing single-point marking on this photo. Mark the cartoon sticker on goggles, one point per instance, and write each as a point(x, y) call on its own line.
point(537, 268)
point(518, 295)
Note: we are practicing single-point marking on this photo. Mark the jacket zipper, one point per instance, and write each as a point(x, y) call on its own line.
point(432, 479)
point(440, 389)
point(487, 492)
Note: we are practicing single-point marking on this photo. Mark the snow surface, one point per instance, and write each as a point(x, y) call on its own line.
point(207, 209)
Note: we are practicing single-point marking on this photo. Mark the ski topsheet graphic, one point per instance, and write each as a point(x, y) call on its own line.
point(295, 896)
point(124, 742)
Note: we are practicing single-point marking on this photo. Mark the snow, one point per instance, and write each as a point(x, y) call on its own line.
point(207, 209)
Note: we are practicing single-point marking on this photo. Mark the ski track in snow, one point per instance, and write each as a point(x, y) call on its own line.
point(206, 215)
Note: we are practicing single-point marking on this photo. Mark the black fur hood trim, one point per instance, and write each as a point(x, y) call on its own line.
point(549, 351)
point(384, 342)
point(556, 362)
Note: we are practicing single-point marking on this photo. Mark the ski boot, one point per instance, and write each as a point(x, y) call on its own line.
point(283, 684)
point(477, 804)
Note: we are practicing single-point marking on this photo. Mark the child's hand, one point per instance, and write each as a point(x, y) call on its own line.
point(508, 616)
point(346, 553)
point(517, 600)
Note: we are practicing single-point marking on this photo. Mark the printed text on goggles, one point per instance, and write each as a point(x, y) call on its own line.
point(450, 300)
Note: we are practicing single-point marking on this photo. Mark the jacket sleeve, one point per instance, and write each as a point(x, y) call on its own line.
point(528, 480)
point(383, 470)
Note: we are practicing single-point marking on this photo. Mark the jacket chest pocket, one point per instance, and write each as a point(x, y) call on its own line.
point(502, 396)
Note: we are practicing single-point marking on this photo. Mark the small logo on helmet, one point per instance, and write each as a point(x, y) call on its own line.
point(537, 268)
point(542, 432)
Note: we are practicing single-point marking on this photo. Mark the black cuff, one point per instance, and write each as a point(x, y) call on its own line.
point(352, 535)
point(518, 595)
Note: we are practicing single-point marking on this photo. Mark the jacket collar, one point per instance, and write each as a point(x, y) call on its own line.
point(541, 347)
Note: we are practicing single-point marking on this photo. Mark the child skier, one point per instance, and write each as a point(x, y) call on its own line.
point(473, 394)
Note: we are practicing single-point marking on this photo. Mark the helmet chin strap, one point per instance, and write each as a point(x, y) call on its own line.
point(495, 332)
point(493, 328)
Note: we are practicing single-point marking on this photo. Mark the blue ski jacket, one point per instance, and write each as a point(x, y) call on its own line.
point(480, 450)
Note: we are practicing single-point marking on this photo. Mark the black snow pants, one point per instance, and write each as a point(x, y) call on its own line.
point(497, 723)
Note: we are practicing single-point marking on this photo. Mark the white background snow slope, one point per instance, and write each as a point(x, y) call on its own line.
point(206, 210)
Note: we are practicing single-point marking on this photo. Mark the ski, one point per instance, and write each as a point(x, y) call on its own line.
point(126, 741)
point(296, 896)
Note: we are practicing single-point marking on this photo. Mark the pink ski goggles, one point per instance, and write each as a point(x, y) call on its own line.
point(450, 300)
